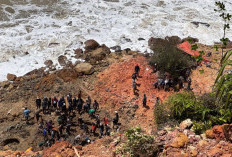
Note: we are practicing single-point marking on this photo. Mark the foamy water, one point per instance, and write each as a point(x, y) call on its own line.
point(31, 25)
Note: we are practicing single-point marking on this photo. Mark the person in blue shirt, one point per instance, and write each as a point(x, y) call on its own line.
point(26, 113)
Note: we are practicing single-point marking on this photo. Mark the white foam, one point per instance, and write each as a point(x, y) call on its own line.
point(106, 22)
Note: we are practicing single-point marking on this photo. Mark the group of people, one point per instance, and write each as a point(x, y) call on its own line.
point(65, 120)
point(167, 83)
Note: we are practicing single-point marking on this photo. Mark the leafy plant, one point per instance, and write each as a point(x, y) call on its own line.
point(200, 127)
point(137, 144)
point(226, 17)
point(170, 59)
point(160, 114)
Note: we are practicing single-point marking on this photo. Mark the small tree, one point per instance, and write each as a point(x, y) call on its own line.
point(138, 144)
point(170, 59)
point(226, 17)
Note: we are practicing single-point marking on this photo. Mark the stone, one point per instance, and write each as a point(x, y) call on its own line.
point(67, 75)
point(11, 77)
point(116, 48)
point(180, 141)
point(186, 124)
point(78, 53)
point(203, 143)
point(218, 132)
point(215, 152)
point(98, 54)
point(209, 134)
point(5, 84)
point(62, 60)
point(84, 68)
point(48, 63)
point(227, 128)
point(91, 45)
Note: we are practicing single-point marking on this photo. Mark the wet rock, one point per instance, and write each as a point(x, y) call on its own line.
point(200, 23)
point(79, 53)
point(62, 60)
point(186, 124)
point(84, 68)
point(39, 72)
point(48, 63)
point(116, 48)
point(141, 39)
point(91, 45)
point(227, 129)
point(11, 77)
point(10, 10)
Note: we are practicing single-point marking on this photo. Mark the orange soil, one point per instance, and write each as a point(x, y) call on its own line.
point(114, 88)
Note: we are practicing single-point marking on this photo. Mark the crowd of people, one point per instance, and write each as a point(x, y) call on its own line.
point(67, 110)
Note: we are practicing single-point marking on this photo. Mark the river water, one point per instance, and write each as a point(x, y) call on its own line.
point(30, 26)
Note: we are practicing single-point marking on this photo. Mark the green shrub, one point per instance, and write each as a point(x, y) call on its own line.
point(200, 127)
point(170, 59)
point(137, 144)
point(161, 114)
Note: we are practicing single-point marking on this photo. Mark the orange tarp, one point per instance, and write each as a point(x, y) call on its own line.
point(186, 47)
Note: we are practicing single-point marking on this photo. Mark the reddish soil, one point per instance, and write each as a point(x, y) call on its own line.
point(114, 89)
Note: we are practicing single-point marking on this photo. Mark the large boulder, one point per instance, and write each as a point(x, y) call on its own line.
point(84, 68)
point(11, 77)
point(98, 54)
point(91, 45)
point(62, 60)
point(180, 141)
point(67, 75)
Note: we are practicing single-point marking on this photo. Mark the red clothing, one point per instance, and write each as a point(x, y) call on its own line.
point(106, 120)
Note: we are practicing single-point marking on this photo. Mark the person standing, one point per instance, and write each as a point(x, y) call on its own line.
point(38, 103)
point(144, 100)
point(137, 69)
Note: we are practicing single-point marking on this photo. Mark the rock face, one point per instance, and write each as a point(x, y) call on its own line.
point(62, 60)
point(186, 124)
point(98, 54)
point(91, 45)
point(11, 77)
point(180, 141)
point(48, 63)
point(84, 68)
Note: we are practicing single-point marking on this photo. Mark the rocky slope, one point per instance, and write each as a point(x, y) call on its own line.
point(105, 77)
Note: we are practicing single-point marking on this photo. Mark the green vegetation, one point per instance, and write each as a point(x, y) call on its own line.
point(170, 59)
point(210, 109)
point(226, 17)
point(137, 144)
